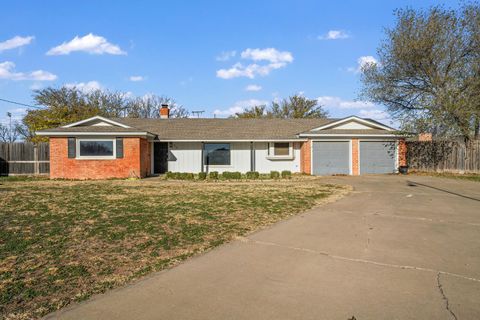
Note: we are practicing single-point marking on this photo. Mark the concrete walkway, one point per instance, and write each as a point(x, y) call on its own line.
point(396, 248)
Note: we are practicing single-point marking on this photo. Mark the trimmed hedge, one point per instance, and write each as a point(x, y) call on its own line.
point(231, 175)
point(274, 174)
point(213, 175)
point(286, 174)
point(252, 175)
point(180, 175)
point(202, 176)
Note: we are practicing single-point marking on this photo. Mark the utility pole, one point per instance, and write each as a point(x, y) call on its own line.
point(10, 133)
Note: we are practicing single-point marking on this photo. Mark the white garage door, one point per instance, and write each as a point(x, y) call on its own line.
point(377, 157)
point(330, 157)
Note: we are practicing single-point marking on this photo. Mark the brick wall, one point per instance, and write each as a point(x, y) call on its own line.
point(355, 159)
point(145, 157)
point(131, 165)
point(305, 157)
point(402, 152)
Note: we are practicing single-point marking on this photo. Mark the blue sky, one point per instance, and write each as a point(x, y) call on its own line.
point(216, 56)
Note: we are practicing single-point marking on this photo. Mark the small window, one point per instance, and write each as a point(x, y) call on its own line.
point(281, 149)
point(96, 148)
point(216, 154)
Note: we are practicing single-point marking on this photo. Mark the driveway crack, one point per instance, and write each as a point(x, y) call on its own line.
point(358, 260)
point(444, 297)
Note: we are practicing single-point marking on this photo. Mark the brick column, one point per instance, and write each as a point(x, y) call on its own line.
point(402, 152)
point(305, 157)
point(355, 159)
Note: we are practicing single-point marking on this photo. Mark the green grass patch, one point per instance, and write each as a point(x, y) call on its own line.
point(63, 241)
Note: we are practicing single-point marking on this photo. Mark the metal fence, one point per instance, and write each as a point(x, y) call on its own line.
point(24, 158)
point(448, 156)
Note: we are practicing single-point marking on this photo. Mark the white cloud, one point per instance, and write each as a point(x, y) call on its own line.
point(339, 103)
point(253, 87)
point(239, 106)
point(269, 54)
point(85, 86)
point(375, 114)
point(362, 62)
point(334, 35)
point(226, 55)
point(7, 71)
point(15, 42)
point(276, 60)
point(136, 78)
point(90, 43)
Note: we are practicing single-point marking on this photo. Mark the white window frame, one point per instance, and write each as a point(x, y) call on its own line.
point(80, 157)
point(271, 151)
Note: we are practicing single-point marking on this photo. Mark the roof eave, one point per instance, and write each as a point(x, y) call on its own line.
point(73, 134)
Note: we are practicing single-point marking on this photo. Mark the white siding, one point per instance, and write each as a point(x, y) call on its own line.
point(187, 158)
point(264, 165)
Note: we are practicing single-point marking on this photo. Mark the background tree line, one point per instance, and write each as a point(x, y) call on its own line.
point(69, 104)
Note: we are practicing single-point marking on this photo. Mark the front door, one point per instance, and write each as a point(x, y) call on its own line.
point(160, 157)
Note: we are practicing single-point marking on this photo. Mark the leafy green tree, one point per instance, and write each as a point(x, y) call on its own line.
point(252, 112)
point(296, 106)
point(69, 104)
point(428, 72)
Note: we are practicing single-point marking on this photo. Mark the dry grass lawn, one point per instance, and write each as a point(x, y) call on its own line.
point(63, 241)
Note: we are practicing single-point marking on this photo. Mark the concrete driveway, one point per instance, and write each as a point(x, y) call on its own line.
point(392, 249)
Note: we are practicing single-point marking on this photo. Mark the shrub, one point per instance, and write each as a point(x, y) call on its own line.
point(231, 175)
point(187, 176)
point(213, 175)
point(274, 174)
point(202, 176)
point(170, 175)
point(253, 175)
point(286, 174)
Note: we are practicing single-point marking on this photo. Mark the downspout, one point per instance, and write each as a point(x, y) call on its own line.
point(202, 164)
point(252, 156)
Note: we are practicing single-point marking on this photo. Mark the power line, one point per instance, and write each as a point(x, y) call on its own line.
point(20, 104)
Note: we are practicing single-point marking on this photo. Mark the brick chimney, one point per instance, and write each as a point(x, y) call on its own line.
point(164, 111)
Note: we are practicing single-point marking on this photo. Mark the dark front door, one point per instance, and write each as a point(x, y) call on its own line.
point(160, 157)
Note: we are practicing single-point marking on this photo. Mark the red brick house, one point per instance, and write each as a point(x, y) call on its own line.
point(100, 148)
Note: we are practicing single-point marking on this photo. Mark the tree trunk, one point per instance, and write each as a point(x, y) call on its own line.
point(476, 131)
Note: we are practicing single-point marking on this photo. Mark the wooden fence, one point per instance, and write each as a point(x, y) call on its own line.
point(24, 158)
point(444, 156)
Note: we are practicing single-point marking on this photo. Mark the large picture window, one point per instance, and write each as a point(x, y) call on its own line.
point(92, 148)
point(216, 154)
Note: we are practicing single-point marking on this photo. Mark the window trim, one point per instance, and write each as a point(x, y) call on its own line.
point(112, 157)
point(271, 151)
point(217, 165)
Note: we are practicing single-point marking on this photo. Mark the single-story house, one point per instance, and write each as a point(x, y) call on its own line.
point(99, 147)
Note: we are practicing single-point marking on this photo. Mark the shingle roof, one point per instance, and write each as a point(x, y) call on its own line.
point(224, 129)
point(191, 129)
point(351, 131)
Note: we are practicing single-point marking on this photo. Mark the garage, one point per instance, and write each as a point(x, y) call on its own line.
point(377, 157)
point(330, 157)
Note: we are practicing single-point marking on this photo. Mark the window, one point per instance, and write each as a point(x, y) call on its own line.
point(96, 148)
point(216, 154)
point(281, 149)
